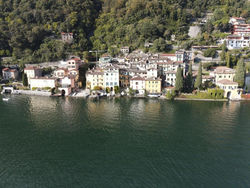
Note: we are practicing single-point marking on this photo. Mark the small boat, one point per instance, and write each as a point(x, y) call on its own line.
point(153, 95)
point(6, 99)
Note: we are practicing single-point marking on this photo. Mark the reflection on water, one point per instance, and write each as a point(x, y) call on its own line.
point(66, 142)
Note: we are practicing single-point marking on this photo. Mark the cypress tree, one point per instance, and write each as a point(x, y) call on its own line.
point(223, 51)
point(198, 81)
point(25, 79)
point(179, 80)
point(189, 80)
point(240, 73)
point(228, 60)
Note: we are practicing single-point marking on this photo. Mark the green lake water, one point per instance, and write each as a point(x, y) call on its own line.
point(56, 142)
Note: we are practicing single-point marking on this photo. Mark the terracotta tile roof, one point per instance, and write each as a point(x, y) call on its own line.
point(153, 79)
point(224, 70)
point(171, 72)
point(31, 68)
point(138, 78)
point(5, 69)
point(227, 82)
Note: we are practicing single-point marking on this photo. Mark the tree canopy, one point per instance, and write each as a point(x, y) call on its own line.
point(30, 28)
point(240, 73)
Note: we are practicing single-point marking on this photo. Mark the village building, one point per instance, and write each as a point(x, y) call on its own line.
point(94, 78)
point(241, 29)
point(111, 77)
point(67, 37)
point(73, 63)
point(237, 42)
point(152, 72)
point(125, 50)
point(61, 72)
point(67, 84)
point(136, 72)
point(208, 78)
point(32, 72)
point(10, 74)
point(124, 78)
point(222, 73)
point(105, 60)
point(42, 82)
point(153, 85)
point(138, 84)
point(170, 78)
point(237, 20)
point(230, 88)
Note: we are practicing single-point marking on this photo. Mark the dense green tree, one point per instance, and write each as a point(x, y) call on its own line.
point(26, 25)
point(240, 73)
point(25, 79)
point(210, 52)
point(223, 51)
point(189, 80)
point(179, 80)
point(228, 59)
point(159, 45)
point(198, 80)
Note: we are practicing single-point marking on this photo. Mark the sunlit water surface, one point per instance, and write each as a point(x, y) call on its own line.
point(56, 142)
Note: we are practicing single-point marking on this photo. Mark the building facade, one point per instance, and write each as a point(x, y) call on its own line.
point(153, 85)
point(138, 84)
point(10, 74)
point(111, 77)
point(95, 78)
point(43, 82)
point(222, 73)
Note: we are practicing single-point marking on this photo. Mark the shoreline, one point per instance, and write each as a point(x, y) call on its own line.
point(48, 94)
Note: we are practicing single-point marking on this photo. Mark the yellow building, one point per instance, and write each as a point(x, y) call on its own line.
point(94, 78)
point(153, 85)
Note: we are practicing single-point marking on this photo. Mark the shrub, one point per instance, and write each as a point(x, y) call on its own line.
point(171, 95)
point(117, 89)
point(209, 94)
point(34, 88)
point(211, 52)
point(46, 88)
point(107, 90)
point(216, 93)
point(97, 88)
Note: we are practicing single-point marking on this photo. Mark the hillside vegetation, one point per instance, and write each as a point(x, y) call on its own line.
point(30, 29)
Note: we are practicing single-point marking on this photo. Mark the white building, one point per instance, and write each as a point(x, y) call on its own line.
point(42, 82)
point(152, 73)
point(67, 84)
point(138, 84)
point(237, 42)
point(74, 63)
point(111, 77)
point(61, 72)
point(32, 72)
point(170, 78)
point(237, 20)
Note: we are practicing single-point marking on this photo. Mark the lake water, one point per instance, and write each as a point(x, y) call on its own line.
point(56, 142)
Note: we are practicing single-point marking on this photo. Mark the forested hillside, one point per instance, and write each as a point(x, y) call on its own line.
point(30, 29)
point(133, 22)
